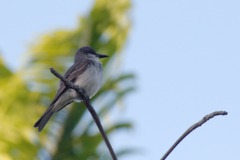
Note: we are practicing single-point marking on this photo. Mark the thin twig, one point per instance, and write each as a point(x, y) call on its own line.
point(193, 127)
point(86, 101)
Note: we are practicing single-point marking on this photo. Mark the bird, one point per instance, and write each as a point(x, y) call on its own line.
point(86, 72)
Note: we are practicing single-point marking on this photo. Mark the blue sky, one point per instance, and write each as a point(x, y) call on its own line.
point(186, 57)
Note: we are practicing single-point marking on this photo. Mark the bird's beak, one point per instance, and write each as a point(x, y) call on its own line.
point(101, 55)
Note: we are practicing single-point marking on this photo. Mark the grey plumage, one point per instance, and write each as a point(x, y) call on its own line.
point(85, 72)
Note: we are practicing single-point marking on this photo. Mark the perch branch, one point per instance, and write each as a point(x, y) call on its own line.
point(86, 101)
point(193, 127)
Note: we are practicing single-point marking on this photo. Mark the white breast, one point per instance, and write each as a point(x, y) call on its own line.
point(91, 79)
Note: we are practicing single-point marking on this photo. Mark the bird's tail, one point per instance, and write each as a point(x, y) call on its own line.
point(43, 120)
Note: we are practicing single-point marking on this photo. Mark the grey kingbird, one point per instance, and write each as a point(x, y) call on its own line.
point(86, 72)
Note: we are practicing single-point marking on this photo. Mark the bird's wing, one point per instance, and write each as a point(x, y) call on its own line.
point(72, 73)
point(75, 70)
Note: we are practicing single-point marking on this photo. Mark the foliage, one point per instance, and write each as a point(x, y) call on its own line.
point(23, 94)
point(16, 116)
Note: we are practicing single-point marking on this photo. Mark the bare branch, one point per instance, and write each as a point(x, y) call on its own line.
point(86, 101)
point(193, 127)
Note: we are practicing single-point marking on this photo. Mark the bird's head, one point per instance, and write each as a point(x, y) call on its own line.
point(89, 52)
